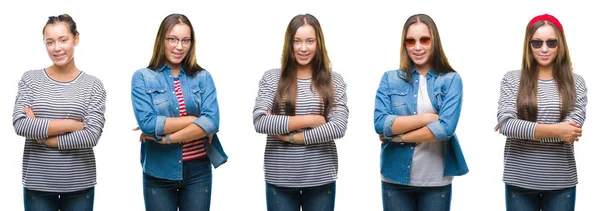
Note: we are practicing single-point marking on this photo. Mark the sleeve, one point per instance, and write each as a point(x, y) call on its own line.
point(93, 123)
point(30, 128)
point(263, 123)
point(449, 113)
point(209, 111)
point(337, 120)
point(383, 116)
point(508, 122)
point(148, 120)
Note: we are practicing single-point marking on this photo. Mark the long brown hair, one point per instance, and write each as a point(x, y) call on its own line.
point(438, 60)
point(189, 63)
point(562, 72)
point(287, 90)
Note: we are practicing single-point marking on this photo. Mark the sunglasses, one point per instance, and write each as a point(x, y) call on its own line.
point(411, 42)
point(539, 43)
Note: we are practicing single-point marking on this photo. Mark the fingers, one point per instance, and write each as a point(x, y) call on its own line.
point(496, 128)
point(136, 129)
point(210, 139)
point(28, 112)
point(573, 124)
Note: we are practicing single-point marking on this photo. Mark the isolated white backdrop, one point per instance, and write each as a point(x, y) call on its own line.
point(238, 40)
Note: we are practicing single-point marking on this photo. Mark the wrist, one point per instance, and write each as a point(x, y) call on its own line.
point(291, 139)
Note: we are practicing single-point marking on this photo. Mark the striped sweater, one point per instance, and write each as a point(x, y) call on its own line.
point(547, 164)
point(314, 163)
point(71, 166)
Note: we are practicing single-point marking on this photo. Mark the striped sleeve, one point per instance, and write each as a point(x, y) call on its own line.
point(577, 114)
point(30, 128)
point(263, 122)
point(337, 120)
point(93, 123)
point(508, 122)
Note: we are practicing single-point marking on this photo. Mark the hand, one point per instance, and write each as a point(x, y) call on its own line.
point(210, 139)
point(568, 131)
point(28, 112)
point(143, 137)
point(285, 137)
point(75, 125)
point(496, 128)
point(315, 120)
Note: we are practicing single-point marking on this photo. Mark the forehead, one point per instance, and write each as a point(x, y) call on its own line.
point(418, 29)
point(56, 30)
point(304, 31)
point(180, 29)
point(545, 31)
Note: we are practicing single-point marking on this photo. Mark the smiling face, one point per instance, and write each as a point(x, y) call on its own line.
point(305, 45)
point(60, 43)
point(546, 54)
point(177, 44)
point(418, 45)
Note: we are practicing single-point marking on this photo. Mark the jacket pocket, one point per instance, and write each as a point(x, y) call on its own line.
point(399, 102)
point(160, 98)
point(197, 93)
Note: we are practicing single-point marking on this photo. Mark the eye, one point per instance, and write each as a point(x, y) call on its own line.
point(171, 39)
point(296, 41)
point(186, 41)
point(311, 41)
point(64, 40)
point(48, 42)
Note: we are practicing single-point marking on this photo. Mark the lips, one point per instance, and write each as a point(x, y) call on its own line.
point(419, 56)
point(60, 56)
point(177, 55)
point(303, 56)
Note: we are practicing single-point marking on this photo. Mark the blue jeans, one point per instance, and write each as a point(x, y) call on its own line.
point(82, 200)
point(319, 198)
point(191, 193)
point(523, 199)
point(407, 198)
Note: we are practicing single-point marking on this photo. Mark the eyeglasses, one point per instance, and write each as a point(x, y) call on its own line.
point(552, 43)
point(410, 42)
point(174, 41)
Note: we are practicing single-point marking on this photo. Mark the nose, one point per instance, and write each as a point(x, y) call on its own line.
point(179, 45)
point(57, 46)
point(545, 47)
point(303, 47)
point(418, 46)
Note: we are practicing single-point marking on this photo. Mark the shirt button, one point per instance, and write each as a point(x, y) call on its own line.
point(408, 166)
point(401, 143)
point(412, 147)
point(415, 95)
point(179, 161)
point(416, 80)
point(415, 112)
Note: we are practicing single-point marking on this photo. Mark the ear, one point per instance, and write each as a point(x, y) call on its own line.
point(76, 39)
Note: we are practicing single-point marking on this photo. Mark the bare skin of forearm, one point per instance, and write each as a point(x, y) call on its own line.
point(298, 122)
point(52, 141)
point(422, 134)
point(174, 124)
point(403, 124)
point(189, 133)
point(60, 126)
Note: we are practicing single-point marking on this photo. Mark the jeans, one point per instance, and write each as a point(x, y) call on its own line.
point(191, 193)
point(319, 198)
point(82, 200)
point(523, 199)
point(406, 198)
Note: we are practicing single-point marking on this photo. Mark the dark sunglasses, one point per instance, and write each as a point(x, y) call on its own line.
point(539, 43)
point(410, 42)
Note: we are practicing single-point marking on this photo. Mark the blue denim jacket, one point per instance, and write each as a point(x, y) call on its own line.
point(397, 97)
point(153, 99)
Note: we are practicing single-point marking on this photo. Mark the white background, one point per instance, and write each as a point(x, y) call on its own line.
point(237, 41)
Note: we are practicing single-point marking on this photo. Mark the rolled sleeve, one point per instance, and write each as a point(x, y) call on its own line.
point(159, 128)
point(387, 125)
point(206, 124)
point(438, 131)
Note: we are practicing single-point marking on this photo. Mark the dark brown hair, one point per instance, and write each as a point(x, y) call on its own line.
point(287, 90)
point(189, 63)
point(562, 73)
point(64, 18)
point(438, 59)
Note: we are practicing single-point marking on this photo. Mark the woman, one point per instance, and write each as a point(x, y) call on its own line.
point(302, 107)
point(416, 113)
point(60, 112)
point(541, 111)
point(175, 105)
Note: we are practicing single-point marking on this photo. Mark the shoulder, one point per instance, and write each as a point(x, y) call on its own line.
point(451, 76)
point(28, 75)
point(337, 78)
point(512, 76)
point(92, 80)
point(579, 82)
point(145, 72)
point(271, 75)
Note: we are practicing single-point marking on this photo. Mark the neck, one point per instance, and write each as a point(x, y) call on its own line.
point(67, 69)
point(423, 69)
point(304, 72)
point(175, 69)
point(545, 73)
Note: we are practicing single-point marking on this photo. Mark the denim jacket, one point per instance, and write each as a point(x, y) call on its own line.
point(397, 97)
point(153, 98)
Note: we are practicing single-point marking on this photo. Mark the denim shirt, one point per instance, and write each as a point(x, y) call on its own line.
point(153, 98)
point(397, 97)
